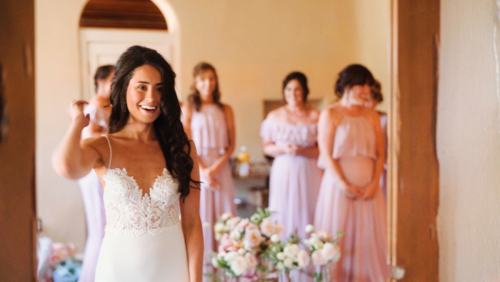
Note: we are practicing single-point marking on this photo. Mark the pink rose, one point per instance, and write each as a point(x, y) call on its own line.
point(243, 224)
point(303, 259)
point(318, 258)
point(268, 227)
point(232, 222)
point(253, 237)
point(251, 260)
point(251, 226)
point(330, 252)
point(324, 236)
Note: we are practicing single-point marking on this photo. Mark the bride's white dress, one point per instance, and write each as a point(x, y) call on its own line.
point(143, 238)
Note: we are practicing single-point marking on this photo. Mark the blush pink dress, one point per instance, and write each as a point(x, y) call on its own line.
point(363, 222)
point(294, 181)
point(209, 133)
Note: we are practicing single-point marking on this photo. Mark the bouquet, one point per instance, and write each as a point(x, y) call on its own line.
point(242, 241)
point(324, 251)
point(286, 256)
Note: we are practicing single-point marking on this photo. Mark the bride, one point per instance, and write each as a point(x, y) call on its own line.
point(152, 234)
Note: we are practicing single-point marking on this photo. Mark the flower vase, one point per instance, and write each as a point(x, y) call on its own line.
point(322, 273)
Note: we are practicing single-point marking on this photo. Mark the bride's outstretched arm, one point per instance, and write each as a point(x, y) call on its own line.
point(71, 159)
point(191, 224)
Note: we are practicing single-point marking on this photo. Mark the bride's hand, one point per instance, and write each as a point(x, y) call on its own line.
point(76, 114)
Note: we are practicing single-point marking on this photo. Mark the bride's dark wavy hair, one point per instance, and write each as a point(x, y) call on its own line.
point(167, 127)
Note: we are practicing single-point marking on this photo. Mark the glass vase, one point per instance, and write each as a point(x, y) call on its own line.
point(322, 273)
point(284, 275)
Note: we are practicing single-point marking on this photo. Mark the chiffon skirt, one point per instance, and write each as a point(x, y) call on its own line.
point(213, 203)
point(363, 223)
point(293, 192)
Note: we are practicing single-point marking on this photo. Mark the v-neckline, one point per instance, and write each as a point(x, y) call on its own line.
point(143, 194)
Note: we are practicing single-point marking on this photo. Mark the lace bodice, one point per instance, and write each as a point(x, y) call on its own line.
point(128, 211)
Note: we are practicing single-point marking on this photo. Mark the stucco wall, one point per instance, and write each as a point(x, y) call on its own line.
point(469, 143)
point(253, 44)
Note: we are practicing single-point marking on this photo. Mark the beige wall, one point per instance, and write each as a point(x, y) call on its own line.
point(469, 143)
point(253, 45)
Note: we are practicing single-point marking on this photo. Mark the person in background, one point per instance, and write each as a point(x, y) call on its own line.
point(377, 98)
point(210, 124)
point(98, 112)
point(352, 149)
point(289, 135)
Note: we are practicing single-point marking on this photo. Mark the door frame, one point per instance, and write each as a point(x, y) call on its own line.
point(413, 194)
point(92, 39)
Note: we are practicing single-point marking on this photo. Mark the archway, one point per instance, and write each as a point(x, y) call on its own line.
point(109, 27)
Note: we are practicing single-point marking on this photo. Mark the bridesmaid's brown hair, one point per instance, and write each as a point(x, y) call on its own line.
point(195, 99)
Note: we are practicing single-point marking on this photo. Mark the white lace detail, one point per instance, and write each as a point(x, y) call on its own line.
point(129, 212)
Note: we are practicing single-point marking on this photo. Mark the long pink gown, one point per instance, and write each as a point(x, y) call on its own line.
point(209, 133)
point(92, 194)
point(363, 222)
point(294, 182)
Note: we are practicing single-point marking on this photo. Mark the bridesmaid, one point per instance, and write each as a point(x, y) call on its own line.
point(289, 134)
point(98, 112)
point(352, 149)
point(210, 124)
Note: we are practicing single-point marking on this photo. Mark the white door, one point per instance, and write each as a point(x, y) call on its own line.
point(104, 46)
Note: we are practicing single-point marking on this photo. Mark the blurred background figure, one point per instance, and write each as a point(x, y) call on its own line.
point(289, 135)
point(99, 111)
point(352, 149)
point(210, 124)
point(377, 98)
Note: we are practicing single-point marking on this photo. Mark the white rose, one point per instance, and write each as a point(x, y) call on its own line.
point(275, 238)
point(219, 227)
point(221, 255)
point(280, 265)
point(231, 256)
point(330, 252)
point(256, 217)
point(235, 235)
point(280, 256)
point(317, 243)
point(268, 227)
point(215, 262)
point(318, 258)
point(251, 260)
point(242, 251)
point(225, 216)
point(309, 228)
point(288, 262)
point(239, 265)
point(303, 259)
point(218, 236)
point(291, 250)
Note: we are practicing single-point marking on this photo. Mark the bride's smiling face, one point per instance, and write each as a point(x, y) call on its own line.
point(144, 94)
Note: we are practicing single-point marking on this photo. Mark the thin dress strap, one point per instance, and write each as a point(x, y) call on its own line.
point(110, 150)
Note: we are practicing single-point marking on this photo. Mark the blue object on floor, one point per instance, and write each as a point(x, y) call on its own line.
point(67, 271)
